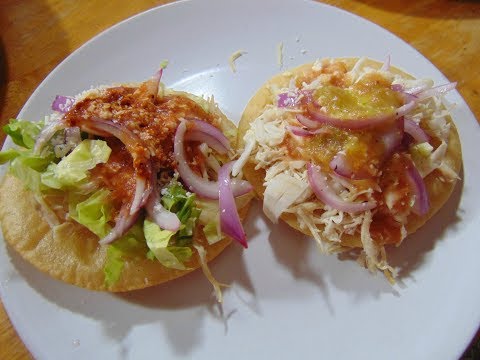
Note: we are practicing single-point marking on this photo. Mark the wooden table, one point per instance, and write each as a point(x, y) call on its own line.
point(37, 35)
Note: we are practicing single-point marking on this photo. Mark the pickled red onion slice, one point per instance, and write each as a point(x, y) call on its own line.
point(229, 219)
point(323, 191)
point(212, 131)
point(415, 131)
point(211, 141)
point(123, 223)
point(422, 202)
point(161, 216)
point(195, 183)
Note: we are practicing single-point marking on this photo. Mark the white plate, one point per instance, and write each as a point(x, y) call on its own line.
point(286, 300)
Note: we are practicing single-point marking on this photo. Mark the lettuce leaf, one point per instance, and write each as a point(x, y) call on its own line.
point(27, 168)
point(22, 132)
point(158, 241)
point(210, 218)
point(94, 212)
point(130, 245)
point(8, 155)
point(177, 200)
point(212, 232)
point(72, 170)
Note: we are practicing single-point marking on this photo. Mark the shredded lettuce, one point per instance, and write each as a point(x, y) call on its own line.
point(72, 170)
point(210, 218)
point(21, 167)
point(94, 212)
point(8, 155)
point(212, 232)
point(158, 240)
point(130, 245)
point(22, 132)
point(177, 200)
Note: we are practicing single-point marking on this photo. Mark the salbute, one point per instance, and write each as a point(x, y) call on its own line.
point(354, 152)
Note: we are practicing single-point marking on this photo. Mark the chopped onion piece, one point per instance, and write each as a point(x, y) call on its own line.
point(325, 193)
point(287, 99)
point(229, 219)
point(62, 103)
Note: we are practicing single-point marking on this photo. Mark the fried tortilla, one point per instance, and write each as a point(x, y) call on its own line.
point(272, 113)
point(70, 252)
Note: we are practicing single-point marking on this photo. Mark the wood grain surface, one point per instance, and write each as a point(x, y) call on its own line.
point(37, 35)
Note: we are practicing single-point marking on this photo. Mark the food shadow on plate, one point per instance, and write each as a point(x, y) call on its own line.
point(168, 307)
point(300, 255)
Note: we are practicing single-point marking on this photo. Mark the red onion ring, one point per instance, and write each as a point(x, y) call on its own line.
point(422, 202)
point(415, 131)
point(62, 103)
point(229, 219)
point(209, 129)
point(196, 135)
point(325, 193)
point(195, 183)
